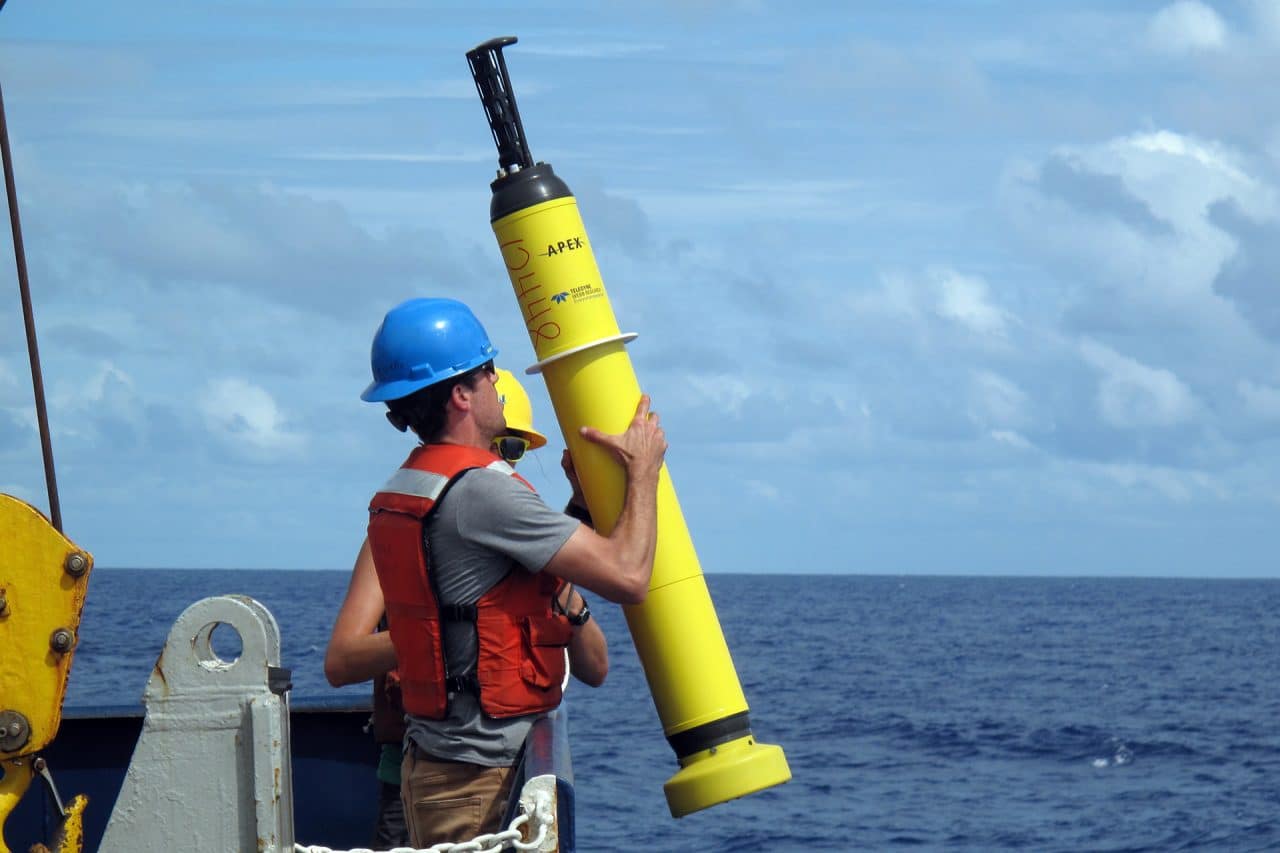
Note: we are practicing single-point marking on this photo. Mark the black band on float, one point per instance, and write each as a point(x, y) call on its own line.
point(711, 734)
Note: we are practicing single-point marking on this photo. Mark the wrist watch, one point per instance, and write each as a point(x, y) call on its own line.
point(580, 618)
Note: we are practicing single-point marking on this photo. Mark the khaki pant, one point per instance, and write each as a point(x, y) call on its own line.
point(451, 801)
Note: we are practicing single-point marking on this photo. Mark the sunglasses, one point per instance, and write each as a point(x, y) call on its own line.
point(511, 447)
point(487, 368)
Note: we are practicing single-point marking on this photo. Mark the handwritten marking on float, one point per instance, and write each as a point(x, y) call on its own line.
point(528, 292)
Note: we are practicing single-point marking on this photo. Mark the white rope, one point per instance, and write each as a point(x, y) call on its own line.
point(493, 842)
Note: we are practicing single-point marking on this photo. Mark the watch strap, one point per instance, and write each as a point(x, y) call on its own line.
point(580, 618)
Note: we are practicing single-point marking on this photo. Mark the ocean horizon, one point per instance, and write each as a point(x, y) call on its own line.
point(851, 573)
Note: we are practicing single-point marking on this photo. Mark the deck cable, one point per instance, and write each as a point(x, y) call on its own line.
point(28, 317)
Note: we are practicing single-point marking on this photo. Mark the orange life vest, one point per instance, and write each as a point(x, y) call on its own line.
point(520, 663)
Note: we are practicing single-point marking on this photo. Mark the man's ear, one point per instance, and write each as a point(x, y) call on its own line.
point(460, 396)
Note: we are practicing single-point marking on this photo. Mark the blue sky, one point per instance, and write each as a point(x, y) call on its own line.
point(985, 287)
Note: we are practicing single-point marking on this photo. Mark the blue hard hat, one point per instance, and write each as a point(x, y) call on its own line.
point(422, 342)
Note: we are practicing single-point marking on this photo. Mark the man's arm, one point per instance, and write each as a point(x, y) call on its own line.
point(618, 566)
point(588, 651)
point(357, 651)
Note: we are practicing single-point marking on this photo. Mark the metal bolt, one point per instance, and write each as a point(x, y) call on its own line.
point(4, 603)
point(76, 564)
point(61, 641)
point(15, 731)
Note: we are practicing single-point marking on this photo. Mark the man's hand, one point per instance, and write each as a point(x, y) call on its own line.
point(620, 565)
point(640, 449)
point(571, 474)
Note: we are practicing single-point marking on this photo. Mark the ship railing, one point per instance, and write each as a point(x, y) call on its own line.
point(212, 767)
point(540, 810)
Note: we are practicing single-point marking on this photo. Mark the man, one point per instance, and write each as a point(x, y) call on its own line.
point(472, 566)
point(360, 649)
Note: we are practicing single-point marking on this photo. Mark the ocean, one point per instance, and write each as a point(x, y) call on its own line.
point(931, 713)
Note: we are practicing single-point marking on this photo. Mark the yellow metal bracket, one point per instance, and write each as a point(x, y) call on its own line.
point(68, 837)
point(15, 777)
point(43, 580)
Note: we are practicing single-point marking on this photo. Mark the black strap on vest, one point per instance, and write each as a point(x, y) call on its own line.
point(458, 612)
point(453, 683)
point(449, 612)
point(462, 684)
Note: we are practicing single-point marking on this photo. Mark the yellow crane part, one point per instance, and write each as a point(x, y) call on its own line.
point(43, 580)
point(68, 837)
point(16, 777)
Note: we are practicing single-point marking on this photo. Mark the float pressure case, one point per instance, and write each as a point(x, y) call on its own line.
point(581, 354)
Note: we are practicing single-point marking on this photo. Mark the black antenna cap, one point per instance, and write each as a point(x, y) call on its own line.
point(493, 83)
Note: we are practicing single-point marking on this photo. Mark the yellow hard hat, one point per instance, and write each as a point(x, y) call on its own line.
point(517, 408)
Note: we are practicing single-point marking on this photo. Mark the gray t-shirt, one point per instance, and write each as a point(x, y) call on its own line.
point(488, 524)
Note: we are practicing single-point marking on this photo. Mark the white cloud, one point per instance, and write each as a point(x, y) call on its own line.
point(996, 401)
point(939, 301)
point(98, 405)
point(1136, 224)
point(96, 387)
point(242, 413)
point(340, 95)
point(1210, 155)
point(1180, 176)
point(1187, 26)
point(1261, 400)
point(594, 50)
point(1011, 438)
point(897, 298)
point(1170, 483)
point(477, 155)
point(1132, 395)
point(766, 491)
point(724, 394)
point(963, 299)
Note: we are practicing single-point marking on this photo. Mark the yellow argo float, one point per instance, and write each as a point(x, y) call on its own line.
point(581, 355)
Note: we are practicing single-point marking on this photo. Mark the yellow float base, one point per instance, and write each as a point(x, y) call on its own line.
point(726, 772)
